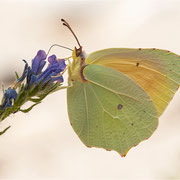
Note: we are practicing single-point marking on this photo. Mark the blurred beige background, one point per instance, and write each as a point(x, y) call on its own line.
point(42, 144)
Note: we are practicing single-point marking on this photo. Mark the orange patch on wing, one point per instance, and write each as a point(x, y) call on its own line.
point(156, 71)
point(155, 84)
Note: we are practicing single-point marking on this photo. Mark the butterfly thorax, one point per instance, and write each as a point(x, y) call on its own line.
point(76, 67)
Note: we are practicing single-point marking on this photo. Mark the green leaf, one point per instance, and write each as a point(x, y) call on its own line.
point(17, 76)
point(35, 100)
point(9, 110)
point(28, 109)
point(21, 99)
point(2, 132)
point(110, 111)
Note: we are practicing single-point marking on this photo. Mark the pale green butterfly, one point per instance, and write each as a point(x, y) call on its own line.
point(115, 96)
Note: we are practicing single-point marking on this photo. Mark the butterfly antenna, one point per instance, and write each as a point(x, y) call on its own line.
point(65, 23)
point(58, 46)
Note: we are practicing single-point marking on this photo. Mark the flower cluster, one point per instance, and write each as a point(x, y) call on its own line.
point(34, 84)
point(9, 95)
point(34, 73)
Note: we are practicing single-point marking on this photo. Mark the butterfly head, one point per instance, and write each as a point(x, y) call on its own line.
point(78, 55)
point(78, 52)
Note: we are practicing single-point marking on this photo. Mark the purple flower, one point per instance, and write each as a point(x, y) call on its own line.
point(54, 68)
point(34, 73)
point(38, 62)
point(31, 78)
point(8, 96)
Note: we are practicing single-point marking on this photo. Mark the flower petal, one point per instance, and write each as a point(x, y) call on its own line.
point(31, 78)
point(52, 60)
point(38, 62)
point(61, 64)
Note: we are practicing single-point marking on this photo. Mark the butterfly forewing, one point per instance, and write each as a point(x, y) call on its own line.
point(156, 71)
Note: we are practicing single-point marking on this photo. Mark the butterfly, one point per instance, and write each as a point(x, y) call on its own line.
point(116, 96)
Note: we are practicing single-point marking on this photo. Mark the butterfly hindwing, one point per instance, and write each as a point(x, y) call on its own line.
point(109, 110)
